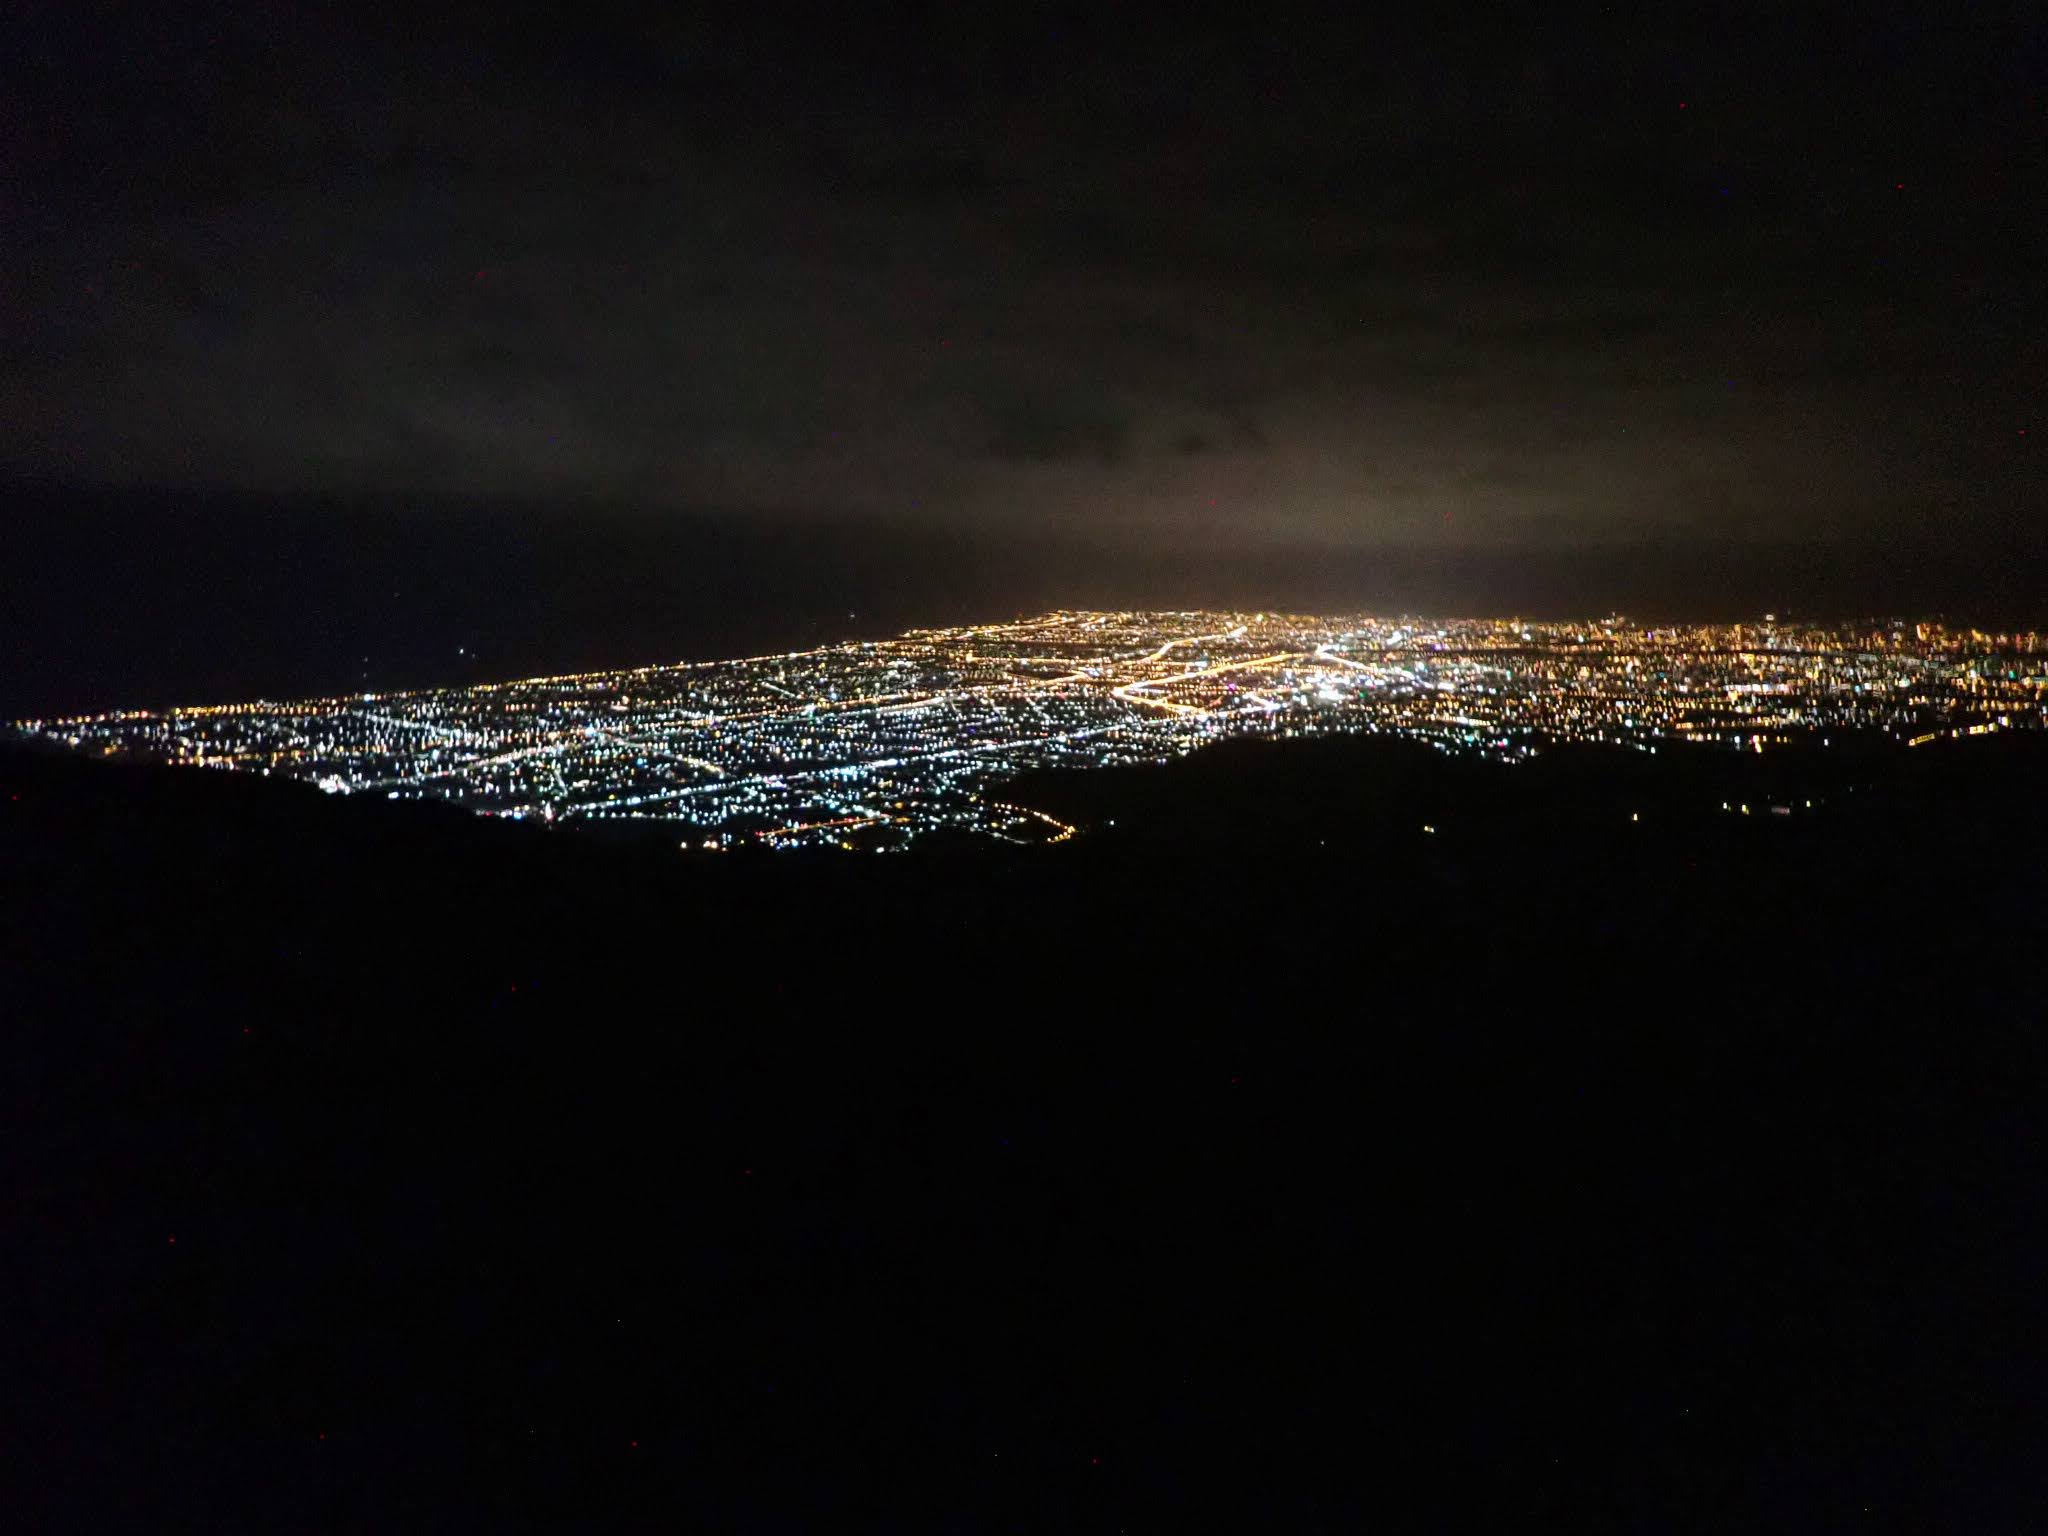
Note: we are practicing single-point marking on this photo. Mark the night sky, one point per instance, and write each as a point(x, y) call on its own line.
point(1128, 302)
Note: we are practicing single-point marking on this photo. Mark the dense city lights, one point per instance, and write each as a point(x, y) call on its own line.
point(872, 744)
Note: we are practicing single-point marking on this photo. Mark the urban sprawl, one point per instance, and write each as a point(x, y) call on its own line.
point(874, 744)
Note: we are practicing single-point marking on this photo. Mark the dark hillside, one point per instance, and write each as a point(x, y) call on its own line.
point(1262, 1161)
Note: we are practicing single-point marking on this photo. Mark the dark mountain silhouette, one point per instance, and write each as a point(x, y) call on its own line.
point(1259, 1160)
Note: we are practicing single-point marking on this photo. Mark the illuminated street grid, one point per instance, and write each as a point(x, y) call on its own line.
point(873, 744)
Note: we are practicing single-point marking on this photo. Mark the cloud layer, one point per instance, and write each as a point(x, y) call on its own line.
point(1241, 289)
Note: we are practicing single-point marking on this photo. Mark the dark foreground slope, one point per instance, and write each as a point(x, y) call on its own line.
point(1261, 1162)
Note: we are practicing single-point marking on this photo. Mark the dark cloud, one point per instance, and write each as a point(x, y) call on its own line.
point(1043, 425)
point(1242, 284)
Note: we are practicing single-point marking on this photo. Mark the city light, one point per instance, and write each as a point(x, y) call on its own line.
point(874, 744)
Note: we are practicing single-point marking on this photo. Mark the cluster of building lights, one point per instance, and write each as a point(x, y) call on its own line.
point(874, 744)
